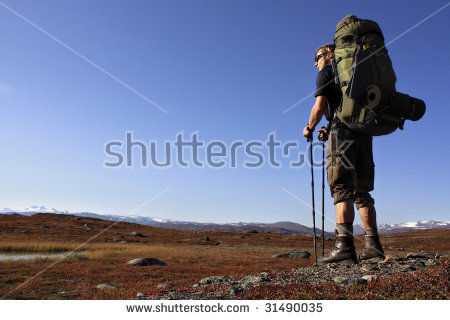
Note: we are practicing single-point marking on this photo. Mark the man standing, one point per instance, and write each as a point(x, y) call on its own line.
point(350, 169)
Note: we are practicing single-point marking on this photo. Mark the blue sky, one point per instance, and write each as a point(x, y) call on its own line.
point(78, 74)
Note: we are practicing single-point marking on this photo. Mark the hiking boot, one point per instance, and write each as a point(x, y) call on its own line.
point(342, 253)
point(372, 249)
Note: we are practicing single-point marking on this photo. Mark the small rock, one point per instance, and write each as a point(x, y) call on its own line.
point(349, 281)
point(213, 280)
point(340, 279)
point(145, 262)
point(299, 255)
point(414, 255)
point(388, 259)
point(141, 295)
point(235, 290)
point(369, 277)
point(407, 268)
point(422, 256)
point(250, 281)
point(206, 239)
point(136, 234)
point(164, 286)
point(369, 267)
point(420, 264)
point(356, 280)
point(106, 286)
point(430, 262)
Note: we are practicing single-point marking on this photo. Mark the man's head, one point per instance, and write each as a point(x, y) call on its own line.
point(323, 55)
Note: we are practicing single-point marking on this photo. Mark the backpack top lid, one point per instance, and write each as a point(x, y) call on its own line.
point(351, 25)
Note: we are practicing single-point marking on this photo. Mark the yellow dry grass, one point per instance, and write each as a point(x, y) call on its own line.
point(113, 250)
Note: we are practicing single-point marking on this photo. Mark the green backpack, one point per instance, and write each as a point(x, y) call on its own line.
point(362, 67)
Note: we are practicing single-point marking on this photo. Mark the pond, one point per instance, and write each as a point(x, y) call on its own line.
point(28, 256)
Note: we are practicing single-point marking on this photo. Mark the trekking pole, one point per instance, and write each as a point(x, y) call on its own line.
point(312, 187)
point(323, 194)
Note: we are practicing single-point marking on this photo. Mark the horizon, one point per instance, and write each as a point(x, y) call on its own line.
point(43, 209)
point(234, 78)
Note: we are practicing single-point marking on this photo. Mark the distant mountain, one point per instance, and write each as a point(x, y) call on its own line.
point(406, 226)
point(284, 227)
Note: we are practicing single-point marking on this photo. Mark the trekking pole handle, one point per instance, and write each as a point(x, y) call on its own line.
point(322, 139)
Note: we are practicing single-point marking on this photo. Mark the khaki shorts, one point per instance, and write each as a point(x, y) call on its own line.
point(350, 167)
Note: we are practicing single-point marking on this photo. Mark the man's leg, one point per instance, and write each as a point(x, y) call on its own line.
point(345, 215)
point(365, 173)
point(368, 217)
point(372, 249)
point(341, 181)
point(345, 212)
point(344, 248)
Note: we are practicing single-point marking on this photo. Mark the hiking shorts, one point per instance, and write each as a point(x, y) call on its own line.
point(350, 166)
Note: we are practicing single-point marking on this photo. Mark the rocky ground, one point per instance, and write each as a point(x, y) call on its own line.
point(229, 288)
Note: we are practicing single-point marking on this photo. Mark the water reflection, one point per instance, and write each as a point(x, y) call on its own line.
point(29, 256)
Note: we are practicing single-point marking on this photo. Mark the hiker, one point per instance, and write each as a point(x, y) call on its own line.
point(350, 168)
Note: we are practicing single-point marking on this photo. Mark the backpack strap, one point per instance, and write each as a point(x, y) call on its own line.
point(346, 56)
point(362, 115)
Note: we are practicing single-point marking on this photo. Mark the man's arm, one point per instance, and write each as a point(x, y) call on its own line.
point(317, 112)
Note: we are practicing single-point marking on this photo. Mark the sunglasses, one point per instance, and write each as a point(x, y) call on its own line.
point(317, 58)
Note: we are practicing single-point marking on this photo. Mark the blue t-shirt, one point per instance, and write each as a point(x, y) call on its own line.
point(325, 86)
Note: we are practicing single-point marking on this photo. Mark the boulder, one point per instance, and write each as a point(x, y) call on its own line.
point(299, 255)
point(293, 255)
point(146, 262)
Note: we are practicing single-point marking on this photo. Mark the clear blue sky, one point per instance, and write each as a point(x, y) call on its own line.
point(225, 70)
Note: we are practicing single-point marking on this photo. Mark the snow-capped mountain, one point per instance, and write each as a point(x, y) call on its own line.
point(285, 227)
point(32, 210)
point(406, 226)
